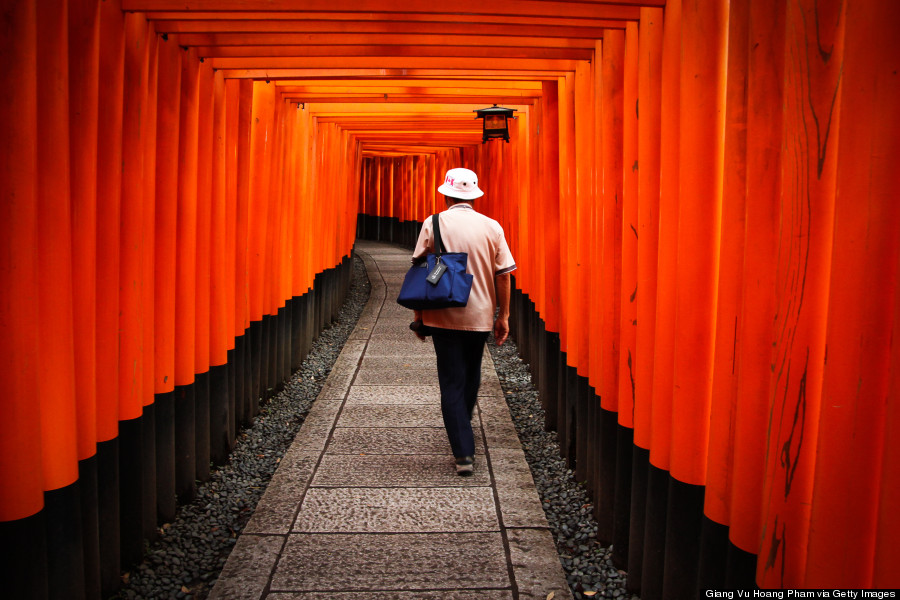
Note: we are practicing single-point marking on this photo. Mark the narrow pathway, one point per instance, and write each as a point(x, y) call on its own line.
point(366, 503)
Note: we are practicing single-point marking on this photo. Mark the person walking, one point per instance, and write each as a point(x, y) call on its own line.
point(459, 334)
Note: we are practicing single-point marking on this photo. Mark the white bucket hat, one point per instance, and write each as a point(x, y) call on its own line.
point(461, 183)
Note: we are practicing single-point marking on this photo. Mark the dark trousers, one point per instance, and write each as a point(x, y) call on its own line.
point(459, 374)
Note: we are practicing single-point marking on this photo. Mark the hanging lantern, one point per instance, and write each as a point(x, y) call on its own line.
point(494, 122)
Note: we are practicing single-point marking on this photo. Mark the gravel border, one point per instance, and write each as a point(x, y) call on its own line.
point(187, 557)
point(587, 563)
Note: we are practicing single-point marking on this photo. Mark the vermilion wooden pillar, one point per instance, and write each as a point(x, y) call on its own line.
point(21, 472)
point(612, 74)
point(628, 290)
point(166, 207)
point(204, 257)
point(148, 189)
point(806, 217)
point(653, 563)
point(704, 37)
point(130, 284)
point(109, 195)
point(862, 309)
point(186, 279)
point(758, 311)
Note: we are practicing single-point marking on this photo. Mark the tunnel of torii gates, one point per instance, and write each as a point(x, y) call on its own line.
point(700, 196)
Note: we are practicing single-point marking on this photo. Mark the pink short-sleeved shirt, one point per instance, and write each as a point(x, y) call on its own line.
point(465, 230)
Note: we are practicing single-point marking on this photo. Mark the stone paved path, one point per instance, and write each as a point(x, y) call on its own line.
point(366, 503)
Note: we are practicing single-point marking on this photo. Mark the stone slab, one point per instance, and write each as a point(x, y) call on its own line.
point(394, 394)
point(249, 566)
point(430, 561)
point(520, 505)
point(406, 346)
point(279, 505)
point(397, 375)
point(395, 415)
point(350, 355)
point(536, 566)
point(490, 387)
point(400, 440)
point(397, 510)
point(421, 470)
point(404, 362)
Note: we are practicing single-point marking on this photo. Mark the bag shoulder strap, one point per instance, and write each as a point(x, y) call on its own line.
point(438, 242)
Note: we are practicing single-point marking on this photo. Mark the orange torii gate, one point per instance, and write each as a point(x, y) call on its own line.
point(700, 197)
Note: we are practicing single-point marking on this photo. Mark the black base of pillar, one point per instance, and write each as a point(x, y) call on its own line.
point(185, 444)
point(165, 457)
point(684, 521)
point(219, 413)
point(131, 489)
point(65, 546)
point(654, 561)
point(201, 426)
point(23, 557)
point(108, 511)
point(640, 463)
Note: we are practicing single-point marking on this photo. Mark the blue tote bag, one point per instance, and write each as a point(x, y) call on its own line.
point(440, 281)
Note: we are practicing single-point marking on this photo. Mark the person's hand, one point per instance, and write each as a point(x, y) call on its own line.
point(501, 330)
point(416, 327)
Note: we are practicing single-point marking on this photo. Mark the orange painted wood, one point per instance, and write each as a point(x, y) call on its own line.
point(803, 267)
point(704, 35)
point(109, 195)
point(884, 571)
point(593, 10)
point(274, 251)
point(148, 190)
point(264, 64)
point(221, 333)
point(765, 80)
point(270, 21)
point(225, 56)
point(167, 141)
point(649, 123)
point(84, 69)
point(398, 23)
point(235, 326)
point(550, 216)
point(611, 101)
point(186, 224)
point(206, 113)
point(595, 287)
point(495, 74)
point(132, 217)
point(849, 492)
point(726, 360)
point(411, 37)
point(664, 334)
point(627, 289)
point(242, 284)
point(21, 493)
point(263, 107)
point(56, 393)
point(567, 232)
point(583, 210)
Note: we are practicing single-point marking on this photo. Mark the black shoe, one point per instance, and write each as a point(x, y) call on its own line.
point(464, 465)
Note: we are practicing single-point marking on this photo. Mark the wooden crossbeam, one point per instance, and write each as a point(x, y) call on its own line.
point(407, 52)
point(264, 21)
point(390, 24)
point(411, 39)
point(408, 85)
point(622, 9)
point(462, 63)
